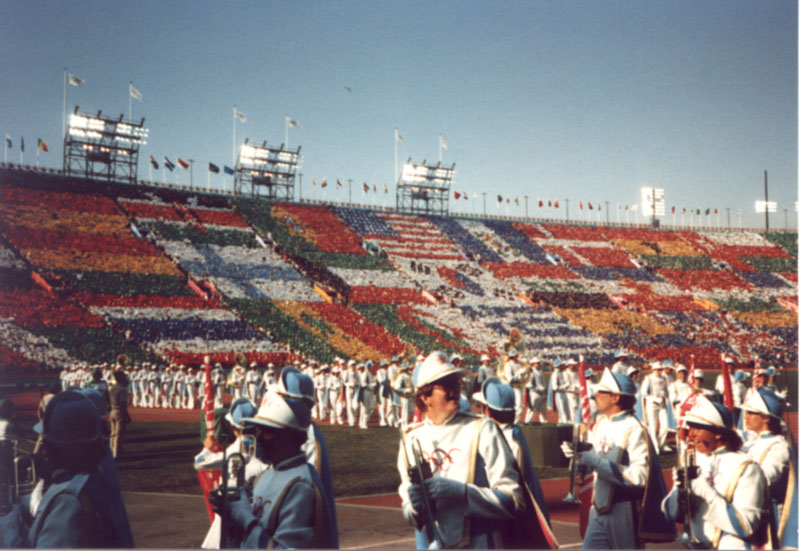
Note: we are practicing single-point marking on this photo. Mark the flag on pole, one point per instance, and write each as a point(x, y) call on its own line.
point(135, 94)
point(183, 163)
point(314, 182)
point(397, 135)
point(213, 168)
point(41, 145)
point(499, 198)
point(516, 200)
point(238, 115)
point(365, 186)
point(580, 205)
point(385, 188)
point(338, 183)
point(9, 143)
point(169, 165)
point(442, 142)
point(324, 183)
point(153, 162)
point(541, 203)
point(291, 122)
point(456, 195)
point(555, 204)
point(726, 383)
point(74, 81)
point(586, 482)
point(209, 479)
point(22, 144)
point(375, 188)
point(228, 170)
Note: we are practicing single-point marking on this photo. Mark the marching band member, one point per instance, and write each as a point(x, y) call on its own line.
point(484, 372)
point(622, 364)
point(192, 382)
point(728, 493)
point(237, 376)
point(244, 444)
point(573, 387)
point(366, 394)
point(167, 388)
point(763, 413)
point(384, 395)
point(403, 386)
point(288, 508)
point(628, 483)
point(152, 392)
point(218, 384)
point(654, 393)
point(336, 396)
point(514, 374)
point(536, 393)
point(178, 387)
point(556, 392)
point(351, 380)
point(497, 402)
point(321, 391)
point(474, 484)
point(292, 384)
point(251, 380)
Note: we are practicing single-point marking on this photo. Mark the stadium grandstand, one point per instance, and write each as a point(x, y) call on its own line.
point(91, 270)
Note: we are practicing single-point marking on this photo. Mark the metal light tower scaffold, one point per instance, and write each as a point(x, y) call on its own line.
point(266, 172)
point(425, 189)
point(102, 148)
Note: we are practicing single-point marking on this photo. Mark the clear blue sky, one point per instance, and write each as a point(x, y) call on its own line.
point(586, 101)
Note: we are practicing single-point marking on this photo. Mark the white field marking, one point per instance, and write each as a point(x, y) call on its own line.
point(362, 506)
point(568, 545)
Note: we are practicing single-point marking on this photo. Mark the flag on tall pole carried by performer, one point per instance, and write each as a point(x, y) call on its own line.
point(209, 479)
point(586, 482)
point(726, 382)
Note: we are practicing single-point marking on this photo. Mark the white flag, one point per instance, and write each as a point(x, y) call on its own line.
point(442, 142)
point(397, 136)
point(239, 115)
point(74, 81)
point(291, 122)
point(135, 94)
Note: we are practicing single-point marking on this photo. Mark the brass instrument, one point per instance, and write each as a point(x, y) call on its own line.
point(418, 472)
point(230, 536)
point(123, 360)
point(571, 496)
point(688, 469)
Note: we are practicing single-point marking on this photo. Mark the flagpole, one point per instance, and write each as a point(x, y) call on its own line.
point(286, 134)
point(191, 172)
point(395, 155)
point(64, 118)
point(130, 102)
point(440, 149)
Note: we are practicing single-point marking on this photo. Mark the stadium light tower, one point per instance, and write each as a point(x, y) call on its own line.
point(103, 148)
point(652, 203)
point(424, 188)
point(266, 172)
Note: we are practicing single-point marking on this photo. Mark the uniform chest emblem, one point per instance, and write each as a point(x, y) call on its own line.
point(259, 503)
point(605, 445)
point(441, 460)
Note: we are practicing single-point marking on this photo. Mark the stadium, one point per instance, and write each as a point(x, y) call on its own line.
point(94, 270)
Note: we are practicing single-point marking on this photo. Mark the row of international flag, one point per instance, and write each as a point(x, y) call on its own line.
point(40, 144)
point(169, 165)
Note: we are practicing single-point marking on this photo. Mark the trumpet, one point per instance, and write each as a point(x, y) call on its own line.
point(688, 469)
point(228, 536)
point(571, 496)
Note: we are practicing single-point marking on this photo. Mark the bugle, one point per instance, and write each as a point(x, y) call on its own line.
point(230, 537)
point(687, 471)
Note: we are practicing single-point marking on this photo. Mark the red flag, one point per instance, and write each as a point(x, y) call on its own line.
point(549, 204)
point(586, 483)
point(726, 381)
point(688, 403)
point(673, 210)
point(556, 204)
point(375, 188)
point(541, 203)
point(42, 145)
point(756, 367)
point(580, 205)
point(366, 187)
point(457, 195)
point(338, 183)
point(208, 398)
point(183, 163)
point(590, 206)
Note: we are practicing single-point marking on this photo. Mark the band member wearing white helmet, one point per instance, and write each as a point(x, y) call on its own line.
point(288, 508)
point(537, 392)
point(628, 483)
point(654, 391)
point(728, 492)
point(351, 385)
point(474, 485)
point(763, 414)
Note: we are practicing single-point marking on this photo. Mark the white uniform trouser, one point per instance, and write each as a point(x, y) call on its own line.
point(386, 410)
point(252, 392)
point(518, 394)
point(405, 411)
point(151, 397)
point(367, 405)
point(322, 409)
point(656, 423)
point(572, 400)
point(339, 406)
point(351, 405)
point(562, 406)
point(536, 404)
point(614, 530)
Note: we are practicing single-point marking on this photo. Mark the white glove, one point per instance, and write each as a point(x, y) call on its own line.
point(566, 449)
point(701, 488)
